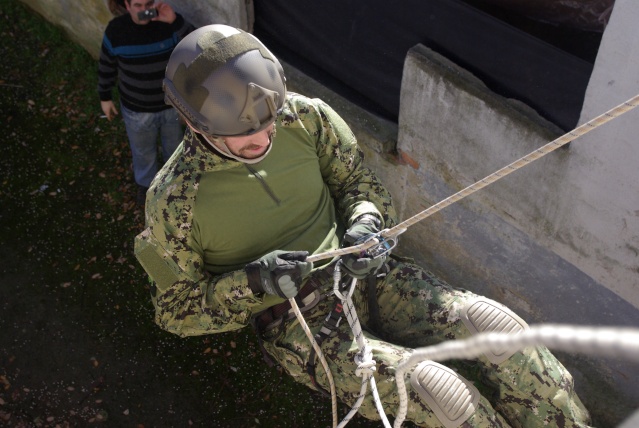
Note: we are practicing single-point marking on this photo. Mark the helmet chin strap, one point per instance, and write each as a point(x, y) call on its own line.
point(225, 151)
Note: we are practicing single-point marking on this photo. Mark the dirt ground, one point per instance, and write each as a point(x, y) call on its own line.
point(65, 364)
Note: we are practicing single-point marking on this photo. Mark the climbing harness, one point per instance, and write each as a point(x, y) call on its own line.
point(366, 366)
point(329, 327)
point(322, 359)
point(334, 318)
point(612, 342)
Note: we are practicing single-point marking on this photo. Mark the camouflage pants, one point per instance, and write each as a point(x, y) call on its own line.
point(530, 389)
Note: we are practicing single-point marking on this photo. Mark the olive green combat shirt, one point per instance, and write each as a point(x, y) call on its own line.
point(207, 216)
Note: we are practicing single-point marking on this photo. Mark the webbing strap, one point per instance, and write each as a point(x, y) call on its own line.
point(373, 305)
point(330, 324)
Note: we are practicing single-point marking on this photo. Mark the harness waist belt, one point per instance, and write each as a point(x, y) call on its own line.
point(268, 316)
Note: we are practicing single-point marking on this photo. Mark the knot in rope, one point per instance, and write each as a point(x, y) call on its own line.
point(366, 366)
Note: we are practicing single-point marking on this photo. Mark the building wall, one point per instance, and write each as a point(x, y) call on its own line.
point(607, 224)
point(545, 240)
point(85, 20)
point(502, 241)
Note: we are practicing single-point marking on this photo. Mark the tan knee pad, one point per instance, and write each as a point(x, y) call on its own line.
point(484, 315)
point(452, 398)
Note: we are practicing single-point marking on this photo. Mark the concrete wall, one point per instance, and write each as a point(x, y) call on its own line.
point(501, 241)
point(556, 241)
point(85, 20)
point(609, 202)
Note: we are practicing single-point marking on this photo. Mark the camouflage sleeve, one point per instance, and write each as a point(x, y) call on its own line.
point(354, 187)
point(188, 300)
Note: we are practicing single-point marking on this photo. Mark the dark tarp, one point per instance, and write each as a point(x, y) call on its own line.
point(358, 49)
point(587, 15)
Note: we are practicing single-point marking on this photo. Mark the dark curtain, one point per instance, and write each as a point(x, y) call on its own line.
point(358, 49)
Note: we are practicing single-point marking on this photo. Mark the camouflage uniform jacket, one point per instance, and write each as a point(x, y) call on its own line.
point(208, 216)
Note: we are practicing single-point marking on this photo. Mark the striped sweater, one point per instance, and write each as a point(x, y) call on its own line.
point(135, 56)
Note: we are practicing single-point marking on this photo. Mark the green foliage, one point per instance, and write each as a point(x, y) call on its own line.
point(78, 344)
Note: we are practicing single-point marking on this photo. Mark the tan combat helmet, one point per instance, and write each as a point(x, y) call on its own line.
point(225, 82)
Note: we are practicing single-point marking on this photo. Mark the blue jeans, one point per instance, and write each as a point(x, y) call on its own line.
point(142, 130)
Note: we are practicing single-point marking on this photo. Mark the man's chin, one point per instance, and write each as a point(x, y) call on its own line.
point(253, 154)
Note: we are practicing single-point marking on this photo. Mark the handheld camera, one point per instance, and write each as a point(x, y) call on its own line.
point(147, 14)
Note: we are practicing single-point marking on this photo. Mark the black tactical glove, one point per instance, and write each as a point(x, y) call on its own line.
point(279, 273)
point(360, 265)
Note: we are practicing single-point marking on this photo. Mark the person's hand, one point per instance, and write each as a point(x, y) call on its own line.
point(361, 264)
point(109, 109)
point(279, 273)
point(165, 13)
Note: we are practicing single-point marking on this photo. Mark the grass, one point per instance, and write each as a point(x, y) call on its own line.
point(78, 345)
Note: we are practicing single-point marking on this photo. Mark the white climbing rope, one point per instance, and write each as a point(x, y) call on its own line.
point(366, 366)
point(320, 354)
point(612, 342)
